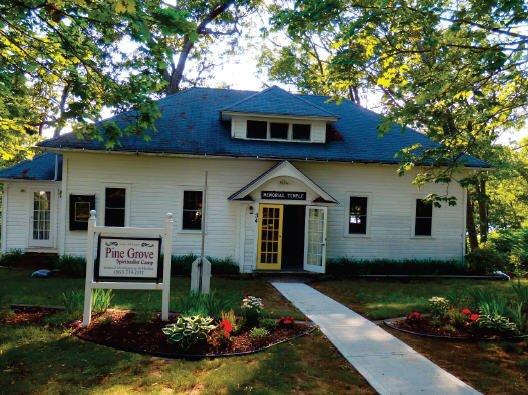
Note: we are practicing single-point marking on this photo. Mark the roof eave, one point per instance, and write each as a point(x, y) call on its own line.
point(226, 115)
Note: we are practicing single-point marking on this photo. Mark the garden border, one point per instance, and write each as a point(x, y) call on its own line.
point(389, 323)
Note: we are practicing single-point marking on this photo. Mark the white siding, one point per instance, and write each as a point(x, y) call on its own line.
point(156, 186)
point(18, 212)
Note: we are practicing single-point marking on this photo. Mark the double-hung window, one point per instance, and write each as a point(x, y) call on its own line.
point(115, 206)
point(357, 215)
point(423, 220)
point(192, 210)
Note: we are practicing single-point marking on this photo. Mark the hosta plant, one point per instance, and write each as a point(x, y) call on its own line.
point(189, 330)
point(497, 323)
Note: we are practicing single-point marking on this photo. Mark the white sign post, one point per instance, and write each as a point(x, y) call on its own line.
point(128, 258)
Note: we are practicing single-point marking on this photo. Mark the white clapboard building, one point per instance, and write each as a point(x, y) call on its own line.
point(293, 180)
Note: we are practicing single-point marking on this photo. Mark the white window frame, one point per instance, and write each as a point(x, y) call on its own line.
point(413, 219)
point(290, 130)
point(184, 189)
point(348, 195)
point(102, 201)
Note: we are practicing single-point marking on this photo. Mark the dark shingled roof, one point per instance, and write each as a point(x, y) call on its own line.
point(191, 124)
point(41, 167)
point(276, 101)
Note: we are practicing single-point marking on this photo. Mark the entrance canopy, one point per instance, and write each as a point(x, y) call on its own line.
point(284, 171)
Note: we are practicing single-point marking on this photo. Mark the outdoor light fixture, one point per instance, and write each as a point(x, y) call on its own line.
point(251, 209)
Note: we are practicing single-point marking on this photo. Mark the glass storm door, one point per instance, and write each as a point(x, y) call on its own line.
point(270, 237)
point(315, 239)
point(40, 219)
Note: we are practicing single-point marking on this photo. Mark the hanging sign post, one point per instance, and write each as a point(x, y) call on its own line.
point(128, 258)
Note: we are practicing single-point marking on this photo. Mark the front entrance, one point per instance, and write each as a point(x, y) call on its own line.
point(41, 208)
point(291, 237)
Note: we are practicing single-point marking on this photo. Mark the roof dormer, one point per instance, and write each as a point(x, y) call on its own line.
point(277, 115)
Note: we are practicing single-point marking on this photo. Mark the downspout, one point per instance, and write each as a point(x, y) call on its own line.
point(4, 217)
point(56, 176)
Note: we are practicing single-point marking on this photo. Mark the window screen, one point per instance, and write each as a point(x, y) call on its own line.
point(257, 129)
point(357, 220)
point(192, 210)
point(300, 131)
point(115, 201)
point(424, 218)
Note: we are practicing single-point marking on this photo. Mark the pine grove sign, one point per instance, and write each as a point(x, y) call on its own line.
point(134, 259)
point(128, 258)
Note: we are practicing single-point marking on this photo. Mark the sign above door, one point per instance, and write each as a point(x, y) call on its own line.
point(282, 195)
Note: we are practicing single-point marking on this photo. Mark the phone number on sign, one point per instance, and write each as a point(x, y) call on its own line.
point(129, 272)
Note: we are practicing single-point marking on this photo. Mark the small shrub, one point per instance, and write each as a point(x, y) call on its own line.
point(188, 330)
point(232, 318)
point(413, 317)
point(521, 294)
point(268, 323)
point(258, 333)
point(226, 327)
point(497, 323)
point(286, 321)
point(101, 300)
point(252, 308)
point(11, 258)
point(71, 265)
point(439, 308)
point(485, 260)
point(210, 304)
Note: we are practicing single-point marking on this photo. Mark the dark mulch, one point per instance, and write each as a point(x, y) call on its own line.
point(122, 330)
point(27, 315)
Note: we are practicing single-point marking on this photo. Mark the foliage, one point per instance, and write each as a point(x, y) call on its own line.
point(252, 308)
point(181, 265)
point(258, 333)
point(349, 267)
point(74, 266)
point(11, 257)
point(485, 260)
point(497, 322)
point(512, 243)
point(211, 304)
point(189, 330)
point(268, 323)
point(232, 318)
point(226, 327)
point(73, 301)
point(101, 299)
point(439, 308)
point(521, 294)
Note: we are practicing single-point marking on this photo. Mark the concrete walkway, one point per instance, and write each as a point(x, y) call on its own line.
point(388, 364)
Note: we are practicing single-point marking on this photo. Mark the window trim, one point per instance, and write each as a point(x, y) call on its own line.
point(348, 195)
point(289, 137)
point(413, 219)
point(102, 202)
point(189, 188)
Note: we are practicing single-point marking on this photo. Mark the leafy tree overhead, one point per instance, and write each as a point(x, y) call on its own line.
point(64, 61)
point(455, 70)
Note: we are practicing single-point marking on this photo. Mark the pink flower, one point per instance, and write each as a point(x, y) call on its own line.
point(474, 317)
point(466, 311)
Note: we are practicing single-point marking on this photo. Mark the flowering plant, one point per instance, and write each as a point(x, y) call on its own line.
point(474, 317)
point(286, 321)
point(466, 311)
point(226, 326)
point(414, 316)
point(252, 303)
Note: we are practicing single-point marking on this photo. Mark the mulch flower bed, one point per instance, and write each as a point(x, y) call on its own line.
point(425, 327)
point(124, 330)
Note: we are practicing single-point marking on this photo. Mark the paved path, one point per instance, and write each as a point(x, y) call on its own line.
point(388, 364)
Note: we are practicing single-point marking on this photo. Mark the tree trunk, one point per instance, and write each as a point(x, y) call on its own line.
point(177, 72)
point(482, 199)
point(470, 223)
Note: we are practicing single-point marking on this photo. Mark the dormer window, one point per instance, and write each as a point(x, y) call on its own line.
point(257, 130)
point(301, 131)
point(279, 130)
point(264, 130)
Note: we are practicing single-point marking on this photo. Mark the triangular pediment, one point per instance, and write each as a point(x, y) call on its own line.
point(283, 169)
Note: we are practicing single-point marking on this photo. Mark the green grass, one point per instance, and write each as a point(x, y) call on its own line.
point(36, 359)
point(386, 299)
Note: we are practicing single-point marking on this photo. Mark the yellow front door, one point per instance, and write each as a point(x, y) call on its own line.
point(270, 237)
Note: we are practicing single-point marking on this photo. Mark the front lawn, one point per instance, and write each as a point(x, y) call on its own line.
point(34, 359)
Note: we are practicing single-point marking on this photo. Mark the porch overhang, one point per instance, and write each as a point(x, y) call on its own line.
point(283, 169)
